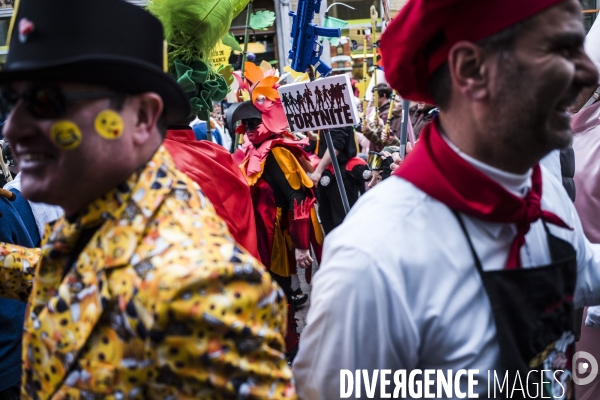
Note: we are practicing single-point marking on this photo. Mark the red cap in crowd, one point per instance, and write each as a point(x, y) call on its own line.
point(419, 39)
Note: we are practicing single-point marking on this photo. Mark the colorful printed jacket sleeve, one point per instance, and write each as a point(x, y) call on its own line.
point(17, 266)
point(217, 325)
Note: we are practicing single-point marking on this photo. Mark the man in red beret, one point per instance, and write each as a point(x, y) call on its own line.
point(476, 265)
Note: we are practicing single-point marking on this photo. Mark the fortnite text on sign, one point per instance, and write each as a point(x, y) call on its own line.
point(321, 104)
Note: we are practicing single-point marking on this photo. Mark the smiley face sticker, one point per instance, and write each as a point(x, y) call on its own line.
point(109, 124)
point(66, 135)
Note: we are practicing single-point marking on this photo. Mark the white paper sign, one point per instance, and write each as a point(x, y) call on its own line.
point(322, 104)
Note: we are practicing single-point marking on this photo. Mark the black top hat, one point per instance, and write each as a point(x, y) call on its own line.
point(103, 42)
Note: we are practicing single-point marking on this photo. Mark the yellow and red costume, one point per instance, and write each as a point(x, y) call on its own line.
point(275, 166)
point(280, 229)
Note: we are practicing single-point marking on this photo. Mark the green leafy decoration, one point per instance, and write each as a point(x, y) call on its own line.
point(202, 87)
point(239, 6)
point(331, 22)
point(261, 20)
point(230, 41)
point(193, 28)
point(226, 71)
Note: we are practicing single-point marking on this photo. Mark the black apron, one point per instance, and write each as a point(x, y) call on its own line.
point(534, 316)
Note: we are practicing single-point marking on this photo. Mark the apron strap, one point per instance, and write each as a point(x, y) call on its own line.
point(557, 246)
point(473, 252)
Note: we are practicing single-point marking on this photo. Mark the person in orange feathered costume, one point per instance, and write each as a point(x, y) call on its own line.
point(274, 165)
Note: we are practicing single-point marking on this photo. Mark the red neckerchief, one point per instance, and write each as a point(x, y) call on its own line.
point(439, 171)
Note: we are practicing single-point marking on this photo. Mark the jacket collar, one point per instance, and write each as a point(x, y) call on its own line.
point(63, 312)
point(181, 135)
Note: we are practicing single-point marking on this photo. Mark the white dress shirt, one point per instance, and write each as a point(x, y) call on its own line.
point(398, 288)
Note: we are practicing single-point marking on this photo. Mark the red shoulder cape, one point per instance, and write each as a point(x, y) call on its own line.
point(213, 169)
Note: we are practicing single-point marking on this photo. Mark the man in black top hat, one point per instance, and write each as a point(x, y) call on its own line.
point(139, 291)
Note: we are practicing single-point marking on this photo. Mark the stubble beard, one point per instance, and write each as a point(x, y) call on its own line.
point(521, 124)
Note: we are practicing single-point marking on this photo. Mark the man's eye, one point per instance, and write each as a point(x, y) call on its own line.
point(566, 51)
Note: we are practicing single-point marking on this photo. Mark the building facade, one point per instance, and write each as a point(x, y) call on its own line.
point(590, 13)
point(348, 56)
point(274, 43)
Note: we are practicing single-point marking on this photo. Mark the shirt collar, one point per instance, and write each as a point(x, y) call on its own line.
point(517, 184)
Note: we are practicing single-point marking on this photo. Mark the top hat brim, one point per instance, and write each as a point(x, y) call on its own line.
point(121, 74)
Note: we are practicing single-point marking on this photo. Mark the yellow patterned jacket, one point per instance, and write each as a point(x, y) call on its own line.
point(160, 304)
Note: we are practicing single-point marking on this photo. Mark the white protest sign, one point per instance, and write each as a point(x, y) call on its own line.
point(322, 104)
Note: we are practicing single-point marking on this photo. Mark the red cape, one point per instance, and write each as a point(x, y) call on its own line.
point(213, 169)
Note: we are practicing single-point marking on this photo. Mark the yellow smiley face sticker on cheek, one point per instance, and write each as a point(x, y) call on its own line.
point(66, 135)
point(109, 124)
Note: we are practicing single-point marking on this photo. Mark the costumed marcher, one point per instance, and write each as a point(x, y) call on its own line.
point(23, 223)
point(12, 311)
point(376, 143)
point(382, 165)
point(396, 121)
point(201, 129)
point(373, 131)
point(420, 115)
point(586, 144)
point(35, 216)
point(331, 207)
point(274, 164)
point(478, 259)
point(218, 135)
point(8, 169)
point(139, 291)
point(210, 165)
point(217, 120)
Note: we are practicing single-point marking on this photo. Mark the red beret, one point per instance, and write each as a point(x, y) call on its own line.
point(418, 40)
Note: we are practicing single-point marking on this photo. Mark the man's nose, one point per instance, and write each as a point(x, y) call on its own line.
point(586, 73)
point(15, 125)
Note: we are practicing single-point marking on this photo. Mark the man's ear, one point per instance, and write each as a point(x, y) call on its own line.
point(468, 70)
point(149, 109)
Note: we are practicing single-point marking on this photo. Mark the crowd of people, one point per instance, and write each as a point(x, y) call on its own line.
point(152, 235)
